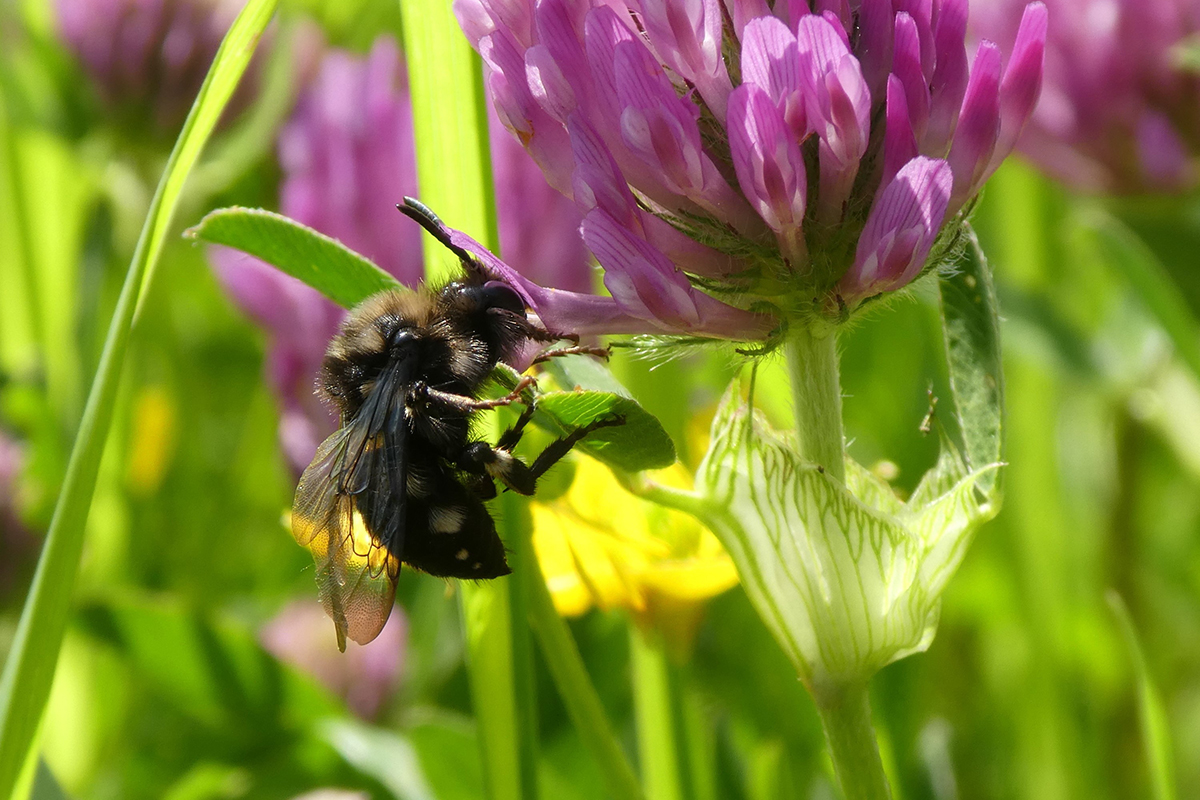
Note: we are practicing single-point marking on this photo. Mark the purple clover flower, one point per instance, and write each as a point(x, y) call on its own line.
point(854, 136)
point(364, 676)
point(16, 543)
point(347, 157)
point(1120, 111)
point(147, 58)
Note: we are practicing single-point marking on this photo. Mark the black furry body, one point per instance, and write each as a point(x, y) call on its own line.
point(402, 481)
point(391, 351)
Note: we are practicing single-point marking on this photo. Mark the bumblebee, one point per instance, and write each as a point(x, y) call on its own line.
point(402, 480)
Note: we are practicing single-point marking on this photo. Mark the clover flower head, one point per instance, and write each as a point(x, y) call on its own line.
point(147, 58)
point(1119, 112)
point(735, 164)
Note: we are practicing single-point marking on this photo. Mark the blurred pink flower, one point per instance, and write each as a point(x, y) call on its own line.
point(147, 58)
point(1119, 111)
point(856, 131)
point(16, 544)
point(364, 676)
point(347, 158)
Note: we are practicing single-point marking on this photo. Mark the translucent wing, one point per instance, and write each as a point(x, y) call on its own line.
point(349, 513)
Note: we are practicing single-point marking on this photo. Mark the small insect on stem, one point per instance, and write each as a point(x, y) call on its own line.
point(402, 481)
point(927, 423)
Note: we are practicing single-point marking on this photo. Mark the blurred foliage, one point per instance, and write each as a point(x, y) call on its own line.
point(163, 691)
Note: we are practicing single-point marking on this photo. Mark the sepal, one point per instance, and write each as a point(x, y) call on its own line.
point(847, 576)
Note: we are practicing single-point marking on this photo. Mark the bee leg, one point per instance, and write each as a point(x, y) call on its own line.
point(480, 458)
point(509, 439)
point(426, 395)
point(599, 352)
point(555, 451)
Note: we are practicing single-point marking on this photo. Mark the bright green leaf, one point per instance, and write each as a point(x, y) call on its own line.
point(971, 325)
point(638, 443)
point(585, 372)
point(325, 264)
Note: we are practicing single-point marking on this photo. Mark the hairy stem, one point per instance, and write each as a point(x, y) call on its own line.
point(845, 712)
point(817, 396)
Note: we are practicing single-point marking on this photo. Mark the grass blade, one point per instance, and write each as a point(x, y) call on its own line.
point(1117, 244)
point(455, 175)
point(1152, 717)
point(577, 692)
point(29, 670)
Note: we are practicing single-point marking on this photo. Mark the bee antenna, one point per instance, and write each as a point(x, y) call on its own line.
point(415, 210)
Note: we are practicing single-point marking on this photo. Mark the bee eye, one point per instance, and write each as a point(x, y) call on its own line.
point(497, 294)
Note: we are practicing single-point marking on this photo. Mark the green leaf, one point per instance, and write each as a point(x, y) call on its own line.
point(1152, 717)
point(325, 264)
point(29, 669)
point(585, 372)
point(639, 443)
point(1141, 268)
point(449, 757)
point(971, 326)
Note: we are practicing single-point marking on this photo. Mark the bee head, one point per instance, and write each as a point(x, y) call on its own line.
point(472, 298)
point(497, 294)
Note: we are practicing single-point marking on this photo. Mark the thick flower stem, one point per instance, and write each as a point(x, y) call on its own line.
point(817, 396)
point(845, 712)
point(846, 717)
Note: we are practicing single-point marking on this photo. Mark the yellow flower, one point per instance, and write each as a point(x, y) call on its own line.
point(601, 546)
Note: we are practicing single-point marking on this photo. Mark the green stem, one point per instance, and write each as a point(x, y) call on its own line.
point(846, 717)
point(654, 709)
point(518, 530)
point(817, 396)
point(578, 694)
point(845, 711)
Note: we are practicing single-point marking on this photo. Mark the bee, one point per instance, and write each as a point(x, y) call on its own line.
point(402, 480)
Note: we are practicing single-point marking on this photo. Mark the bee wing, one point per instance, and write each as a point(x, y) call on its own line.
point(349, 513)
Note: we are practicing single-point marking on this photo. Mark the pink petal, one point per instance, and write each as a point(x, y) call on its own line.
point(769, 166)
point(902, 225)
point(1022, 83)
point(949, 82)
point(900, 141)
point(906, 66)
point(978, 126)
